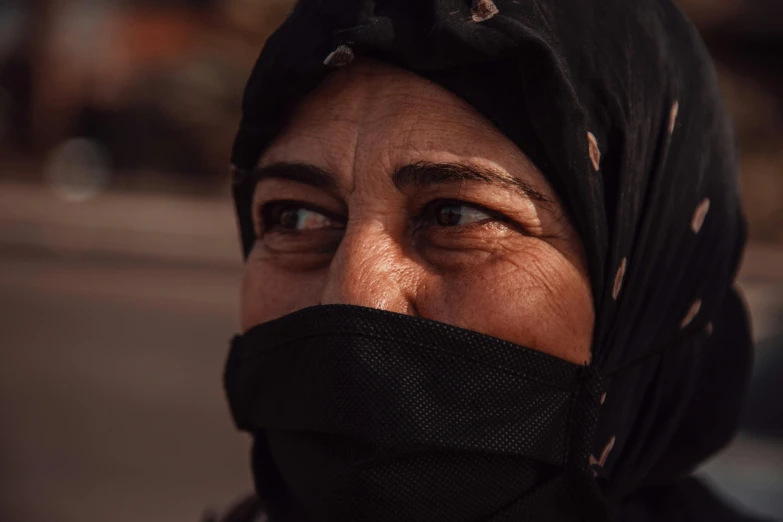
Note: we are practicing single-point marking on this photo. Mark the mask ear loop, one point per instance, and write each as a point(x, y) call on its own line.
point(242, 187)
point(696, 328)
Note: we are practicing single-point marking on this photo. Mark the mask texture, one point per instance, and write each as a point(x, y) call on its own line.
point(366, 415)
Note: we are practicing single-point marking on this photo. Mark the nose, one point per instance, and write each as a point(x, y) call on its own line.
point(370, 269)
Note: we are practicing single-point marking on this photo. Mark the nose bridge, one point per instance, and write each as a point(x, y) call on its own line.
point(367, 270)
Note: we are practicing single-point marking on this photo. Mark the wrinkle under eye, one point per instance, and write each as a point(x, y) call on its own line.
point(450, 232)
point(298, 229)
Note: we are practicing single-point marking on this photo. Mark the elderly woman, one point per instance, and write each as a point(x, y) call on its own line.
point(490, 249)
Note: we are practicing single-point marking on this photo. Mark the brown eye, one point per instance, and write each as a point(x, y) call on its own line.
point(293, 217)
point(302, 219)
point(454, 214)
point(297, 234)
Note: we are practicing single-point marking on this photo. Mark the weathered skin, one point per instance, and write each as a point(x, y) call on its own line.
point(523, 278)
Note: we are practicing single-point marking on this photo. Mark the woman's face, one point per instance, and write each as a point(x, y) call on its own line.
point(387, 191)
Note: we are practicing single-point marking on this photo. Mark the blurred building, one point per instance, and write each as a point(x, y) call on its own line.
point(154, 85)
point(746, 40)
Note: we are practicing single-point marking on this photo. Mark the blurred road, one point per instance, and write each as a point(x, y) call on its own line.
point(110, 391)
point(114, 332)
point(114, 317)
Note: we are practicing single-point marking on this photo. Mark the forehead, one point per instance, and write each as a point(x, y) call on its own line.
point(369, 92)
point(371, 108)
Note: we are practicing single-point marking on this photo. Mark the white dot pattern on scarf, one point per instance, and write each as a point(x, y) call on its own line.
point(673, 116)
point(699, 215)
point(483, 10)
point(604, 455)
point(618, 279)
point(607, 451)
point(341, 56)
point(693, 311)
point(595, 152)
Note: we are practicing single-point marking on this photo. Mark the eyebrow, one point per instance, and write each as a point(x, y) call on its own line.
point(415, 175)
point(423, 174)
point(296, 172)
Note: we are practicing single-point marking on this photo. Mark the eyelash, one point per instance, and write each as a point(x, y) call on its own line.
point(428, 214)
point(269, 215)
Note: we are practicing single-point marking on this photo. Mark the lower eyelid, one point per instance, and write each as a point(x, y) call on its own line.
point(302, 242)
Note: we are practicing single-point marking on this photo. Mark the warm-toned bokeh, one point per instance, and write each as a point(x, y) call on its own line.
point(119, 262)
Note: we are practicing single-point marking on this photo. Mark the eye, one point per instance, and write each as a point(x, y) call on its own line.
point(451, 233)
point(293, 217)
point(452, 213)
point(297, 234)
point(456, 213)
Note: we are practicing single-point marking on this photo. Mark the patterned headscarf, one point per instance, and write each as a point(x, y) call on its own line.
point(617, 104)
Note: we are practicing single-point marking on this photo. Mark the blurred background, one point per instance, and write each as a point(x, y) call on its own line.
point(119, 262)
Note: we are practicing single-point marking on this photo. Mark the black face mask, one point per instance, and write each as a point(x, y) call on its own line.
point(364, 415)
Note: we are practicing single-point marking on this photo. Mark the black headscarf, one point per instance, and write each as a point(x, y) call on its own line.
point(617, 103)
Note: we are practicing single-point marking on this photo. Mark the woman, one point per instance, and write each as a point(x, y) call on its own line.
point(490, 249)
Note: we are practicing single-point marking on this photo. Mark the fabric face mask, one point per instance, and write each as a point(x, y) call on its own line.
point(363, 415)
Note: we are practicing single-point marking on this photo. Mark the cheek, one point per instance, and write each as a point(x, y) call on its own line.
point(535, 298)
point(269, 293)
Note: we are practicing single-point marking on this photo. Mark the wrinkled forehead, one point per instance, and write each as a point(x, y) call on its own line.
point(373, 97)
point(378, 112)
point(370, 92)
